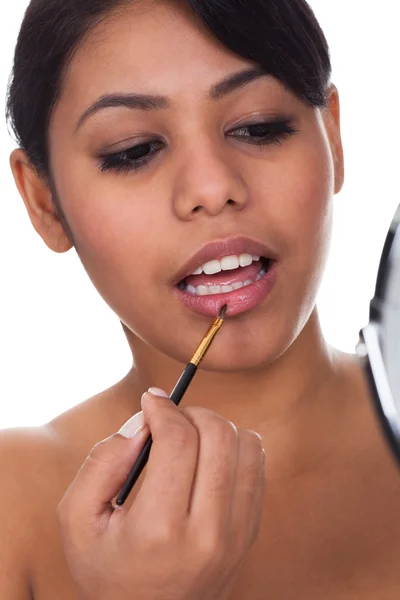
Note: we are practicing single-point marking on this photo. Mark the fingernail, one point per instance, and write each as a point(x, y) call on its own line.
point(133, 426)
point(157, 392)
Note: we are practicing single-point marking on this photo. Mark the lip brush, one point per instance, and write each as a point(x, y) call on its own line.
point(176, 396)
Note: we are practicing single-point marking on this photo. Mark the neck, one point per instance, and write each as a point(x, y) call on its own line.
point(288, 401)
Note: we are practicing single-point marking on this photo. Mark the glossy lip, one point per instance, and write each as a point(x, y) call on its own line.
point(238, 301)
point(220, 248)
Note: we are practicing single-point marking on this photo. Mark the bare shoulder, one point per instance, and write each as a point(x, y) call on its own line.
point(39, 462)
point(368, 458)
point(78, 429)
point(365, 430)
point(37, 468)
point(23, 450)
point(37, 465)
point(22, 454)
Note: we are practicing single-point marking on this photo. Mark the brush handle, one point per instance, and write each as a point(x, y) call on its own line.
point(183, 383)
point(141, 461)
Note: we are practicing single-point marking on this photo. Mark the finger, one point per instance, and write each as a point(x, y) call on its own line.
point(87, 502)
point(216, 468)
point(164, 495)
point(249, 489)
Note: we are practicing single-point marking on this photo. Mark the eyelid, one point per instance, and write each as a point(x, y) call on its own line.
point(126, 144)
point(281, 120)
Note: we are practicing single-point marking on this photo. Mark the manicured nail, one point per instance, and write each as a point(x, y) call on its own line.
point(133, 426)
point(157, 392)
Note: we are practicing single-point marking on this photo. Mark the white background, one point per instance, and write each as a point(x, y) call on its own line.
point(59, 341)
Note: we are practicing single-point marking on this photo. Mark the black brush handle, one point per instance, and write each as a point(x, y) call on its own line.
point(141, 461)
point(183, 383)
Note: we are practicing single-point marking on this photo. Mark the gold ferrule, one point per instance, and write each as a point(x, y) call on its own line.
point(206, 341)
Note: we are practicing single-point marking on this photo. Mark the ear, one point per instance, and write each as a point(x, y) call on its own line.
point(331, 117)
point(37, 196)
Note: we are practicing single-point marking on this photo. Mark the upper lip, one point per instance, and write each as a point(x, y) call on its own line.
point(218, 249)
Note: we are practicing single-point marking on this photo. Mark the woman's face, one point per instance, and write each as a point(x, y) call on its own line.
point(206, 179)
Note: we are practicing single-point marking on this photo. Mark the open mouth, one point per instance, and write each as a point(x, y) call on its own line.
point(227, 275)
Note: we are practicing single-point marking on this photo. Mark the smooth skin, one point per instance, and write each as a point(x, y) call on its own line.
point(329, 526)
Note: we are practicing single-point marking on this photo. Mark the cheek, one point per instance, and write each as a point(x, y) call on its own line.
point(116, 246)
point(302, 204)
point(298, 216)
point(119, 260)
point(112, 225)
point(314, 206)
point(109, 216)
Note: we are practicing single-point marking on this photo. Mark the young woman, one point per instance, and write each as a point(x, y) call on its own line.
point(162, 139)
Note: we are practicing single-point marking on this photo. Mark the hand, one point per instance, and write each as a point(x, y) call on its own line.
point(193, 521)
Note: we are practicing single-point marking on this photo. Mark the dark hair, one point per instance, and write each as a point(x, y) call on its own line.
point(282, 36)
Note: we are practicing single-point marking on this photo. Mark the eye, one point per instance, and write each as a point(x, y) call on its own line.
point(131, 159)
point(265, 132)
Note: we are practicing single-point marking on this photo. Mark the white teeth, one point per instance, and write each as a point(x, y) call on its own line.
point(245, 260)
point(209, 290)
point(214, 289)
point(212, 267)
point(202, 290)
point(228, 263)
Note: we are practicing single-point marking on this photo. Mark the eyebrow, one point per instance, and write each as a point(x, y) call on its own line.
point(150, 102)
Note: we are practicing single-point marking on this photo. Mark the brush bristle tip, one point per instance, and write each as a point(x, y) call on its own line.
point(222, 311)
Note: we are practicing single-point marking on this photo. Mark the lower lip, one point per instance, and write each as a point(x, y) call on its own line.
point(238, 301)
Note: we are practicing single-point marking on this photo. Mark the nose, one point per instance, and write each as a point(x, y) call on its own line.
point(208, 182)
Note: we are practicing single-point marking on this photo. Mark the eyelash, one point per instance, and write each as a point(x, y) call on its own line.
point(124, 161)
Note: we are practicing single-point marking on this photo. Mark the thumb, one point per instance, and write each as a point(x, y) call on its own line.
point(87, 502)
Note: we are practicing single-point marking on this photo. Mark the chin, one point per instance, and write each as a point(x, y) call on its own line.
point(244, 347)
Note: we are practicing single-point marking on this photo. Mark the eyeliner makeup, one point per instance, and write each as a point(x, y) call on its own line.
point(176, 396)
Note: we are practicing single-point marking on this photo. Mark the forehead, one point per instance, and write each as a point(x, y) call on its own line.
point(157, 47)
